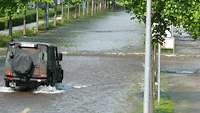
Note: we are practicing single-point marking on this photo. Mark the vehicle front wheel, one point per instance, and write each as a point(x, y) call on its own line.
point(60, 77)
point(51, 80)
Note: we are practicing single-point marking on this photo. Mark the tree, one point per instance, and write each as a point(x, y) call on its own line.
point(23, 6)
point(75, 3)
point(9, 7)
point(56, 3)
point(179, 13)
point(46, 11)
point(168, 12)
point(186, 14)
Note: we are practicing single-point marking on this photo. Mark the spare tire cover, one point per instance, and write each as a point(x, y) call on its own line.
point(22, 63)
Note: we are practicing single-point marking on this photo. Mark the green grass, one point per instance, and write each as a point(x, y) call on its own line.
point(167, 51)
point(16, 35)
point(166, 106)
point(4, 40)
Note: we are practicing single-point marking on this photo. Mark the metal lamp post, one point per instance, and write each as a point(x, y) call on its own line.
point(148, 103)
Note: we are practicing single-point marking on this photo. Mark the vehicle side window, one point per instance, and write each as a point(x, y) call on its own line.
point(43, 54)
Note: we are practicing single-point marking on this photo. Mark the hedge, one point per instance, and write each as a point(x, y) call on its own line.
point(30, 17)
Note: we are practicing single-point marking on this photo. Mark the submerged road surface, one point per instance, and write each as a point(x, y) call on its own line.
point(99, 83)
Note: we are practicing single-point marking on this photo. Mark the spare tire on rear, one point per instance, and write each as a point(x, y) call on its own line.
point(22, 63)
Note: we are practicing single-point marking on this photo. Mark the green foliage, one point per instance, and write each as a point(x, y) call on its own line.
point(17, 34)
point(74, 2)
point(4, 40)
point(167, 12)
point(9, 7)
point(30, 17)
point(186, 13)
point(165, 106)
point(18, 20)
point(43, 1)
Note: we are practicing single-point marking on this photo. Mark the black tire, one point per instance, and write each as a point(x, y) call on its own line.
point(7, 83)
point(52, 80)
point(60, 77)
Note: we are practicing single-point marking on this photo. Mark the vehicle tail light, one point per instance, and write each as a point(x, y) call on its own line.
point(9, 74)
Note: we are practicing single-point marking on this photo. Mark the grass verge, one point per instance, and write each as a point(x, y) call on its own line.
point(165, 106)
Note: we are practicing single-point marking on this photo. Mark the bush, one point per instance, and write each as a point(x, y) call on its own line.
point(2, 23)
point(4, 40)
point(18, 20)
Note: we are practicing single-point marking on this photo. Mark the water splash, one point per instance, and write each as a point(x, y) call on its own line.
point(47, 90)
point(6, 90)
point(58, 88)
point(79, 86)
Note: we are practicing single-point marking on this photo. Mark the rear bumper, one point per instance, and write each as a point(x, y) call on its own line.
point(17, 79)
point(22, 82)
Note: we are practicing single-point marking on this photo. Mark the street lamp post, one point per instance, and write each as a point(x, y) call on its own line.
point(148, 104)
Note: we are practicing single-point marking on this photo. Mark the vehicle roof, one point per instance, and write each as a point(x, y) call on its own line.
point(35, 43)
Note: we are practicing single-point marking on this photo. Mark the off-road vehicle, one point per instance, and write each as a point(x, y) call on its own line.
point(31, 64)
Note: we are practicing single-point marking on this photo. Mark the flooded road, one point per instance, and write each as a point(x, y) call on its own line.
point(109, 82)
point(96, 83)
point(183, 79)
point(110, 32)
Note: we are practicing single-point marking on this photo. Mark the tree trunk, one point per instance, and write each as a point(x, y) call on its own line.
point(79, 10)
point(92, 8)
point(24, 18)
point(47, 16)
point(55, 14)
point(10, 24)
point(68, 11)
point(100, 5)
point(75, 13)
point(87, 6)
point(154, 71)
point(95, 8)
point(37, 17)
point(105, 4)
point(83, 8)
point(62, 12)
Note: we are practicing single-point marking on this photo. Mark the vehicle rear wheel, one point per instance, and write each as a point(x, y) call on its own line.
point(7, 83)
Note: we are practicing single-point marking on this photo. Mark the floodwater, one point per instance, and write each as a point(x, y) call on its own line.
point(110, 32)
point(183, 79)
point(96, 83)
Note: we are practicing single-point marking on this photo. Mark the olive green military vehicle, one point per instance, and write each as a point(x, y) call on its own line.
point(31, 64)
